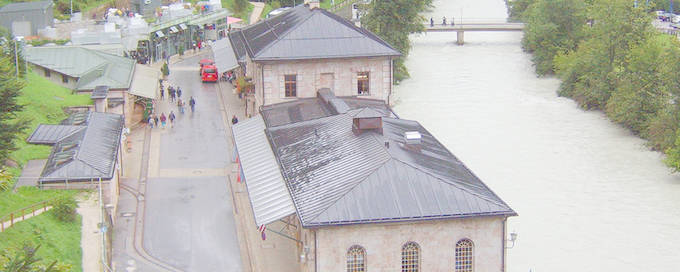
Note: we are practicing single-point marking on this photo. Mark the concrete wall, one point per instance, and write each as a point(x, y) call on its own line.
point(55, 77)
point(383, 242)
point(38, 19)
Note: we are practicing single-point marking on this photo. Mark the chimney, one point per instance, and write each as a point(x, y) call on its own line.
point(413, 137)
point(313, 4)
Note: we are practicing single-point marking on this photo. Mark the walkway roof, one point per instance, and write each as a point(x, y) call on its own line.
point(145, 81)
point(223, 55)
point(267, 190)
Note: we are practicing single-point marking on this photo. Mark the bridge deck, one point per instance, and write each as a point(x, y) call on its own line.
point(474, 27)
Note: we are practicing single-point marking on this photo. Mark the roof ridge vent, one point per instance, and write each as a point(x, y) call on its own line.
point(413, 137)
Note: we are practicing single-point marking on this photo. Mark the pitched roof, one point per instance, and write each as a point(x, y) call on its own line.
point(51, 134)
point(89, 152)
point(326, 104)
point(25, 6)
point(301, 33)
point(92, 68)
point(336, 176)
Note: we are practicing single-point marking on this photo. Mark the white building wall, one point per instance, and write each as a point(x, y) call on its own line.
point(437, 240)
point(309, 77)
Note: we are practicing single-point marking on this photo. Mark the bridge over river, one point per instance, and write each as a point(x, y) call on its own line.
point(461, 27)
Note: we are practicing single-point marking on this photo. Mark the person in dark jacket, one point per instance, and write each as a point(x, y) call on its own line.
point(234, 120)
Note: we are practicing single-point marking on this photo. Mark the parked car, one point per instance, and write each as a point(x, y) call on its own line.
point(209, 73)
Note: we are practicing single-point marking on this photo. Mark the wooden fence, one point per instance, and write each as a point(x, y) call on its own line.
point(21, 213)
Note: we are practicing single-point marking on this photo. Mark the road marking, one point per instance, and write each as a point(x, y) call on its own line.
point(192, 172)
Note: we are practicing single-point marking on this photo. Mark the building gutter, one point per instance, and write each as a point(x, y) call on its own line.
point(316, 261)
point(262, 80)
point(504, 243)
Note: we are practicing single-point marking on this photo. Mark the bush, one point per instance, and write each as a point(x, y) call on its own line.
point(5, 180)
point(65, 208)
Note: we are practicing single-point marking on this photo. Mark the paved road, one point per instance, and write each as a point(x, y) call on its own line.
point(189, 222)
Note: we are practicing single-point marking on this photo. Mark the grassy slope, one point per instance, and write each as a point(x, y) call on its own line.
point(58, 240)
point(245, 15)
point(26, 196)
point(44, 102)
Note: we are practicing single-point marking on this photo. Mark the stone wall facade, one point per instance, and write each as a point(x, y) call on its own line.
point(340, 75)
point(55, 77)
point(383, 243)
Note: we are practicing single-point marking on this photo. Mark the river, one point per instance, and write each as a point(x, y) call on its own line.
point(590, 195)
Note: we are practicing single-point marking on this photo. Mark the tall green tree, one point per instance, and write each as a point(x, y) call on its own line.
point(590, 72)
point(10, 127)
point(12, 49)
point(393, 21)
point(516, 8)
point(552, 27)
point(647, 85)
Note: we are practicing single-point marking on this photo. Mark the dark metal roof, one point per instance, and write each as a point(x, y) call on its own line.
point(336, 176)
point(89, 153)
point(51, 134)
point(313, 108)
point(301, 33)
point(100, 92)
point(26, 6)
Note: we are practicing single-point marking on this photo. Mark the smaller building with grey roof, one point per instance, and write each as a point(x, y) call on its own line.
point(26, 18)
point(114, 82)
point(304, 49)
point(350, 174)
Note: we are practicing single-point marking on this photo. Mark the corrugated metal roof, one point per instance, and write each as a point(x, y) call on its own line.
point(301, 33)
point(336, 176)
point(89, 153)
point(223, 55)
point(145, 81)
point(92, 68)
point(100, 92)
point(304, 109)
point(51, 134)
point(266, 188)
point(25, 6)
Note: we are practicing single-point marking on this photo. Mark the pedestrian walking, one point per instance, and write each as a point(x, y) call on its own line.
point(150, 121)
point(431, 21)
point(192, 104)
point(163, 119)
point(234, 120)
point(180, 106)
point(172, 94)
point(155, 120)
point(162, 93)
point(443, 20)
point(172, 119)
point(179, 92)
point(453, 21)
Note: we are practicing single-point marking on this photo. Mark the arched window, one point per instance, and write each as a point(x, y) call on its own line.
point(464, 256)
point(356, 259)
point(410, 257)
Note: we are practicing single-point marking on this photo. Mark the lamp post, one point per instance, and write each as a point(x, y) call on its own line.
point(16, 57)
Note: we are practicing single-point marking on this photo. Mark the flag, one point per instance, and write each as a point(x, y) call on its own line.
point(262, 229)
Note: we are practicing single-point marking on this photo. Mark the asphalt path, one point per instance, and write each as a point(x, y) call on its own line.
point(189, 222)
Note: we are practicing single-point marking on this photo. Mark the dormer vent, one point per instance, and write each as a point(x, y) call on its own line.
point(413, 137)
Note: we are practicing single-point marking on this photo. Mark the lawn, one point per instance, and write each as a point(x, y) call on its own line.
point(245, 15)
point(44, 104)
point(59, 240)
point(26, 196)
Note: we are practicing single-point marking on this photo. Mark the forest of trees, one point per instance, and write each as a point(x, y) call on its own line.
point(610, 57)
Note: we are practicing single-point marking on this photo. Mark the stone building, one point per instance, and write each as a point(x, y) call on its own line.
point(363, 190)
point(119, 81)
point(304, 49)
point(26, 18)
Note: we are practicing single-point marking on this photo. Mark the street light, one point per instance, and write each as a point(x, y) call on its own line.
point(513, 237)
point(16, 53)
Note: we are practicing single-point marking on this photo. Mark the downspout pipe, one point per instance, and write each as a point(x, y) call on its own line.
point(504, 243)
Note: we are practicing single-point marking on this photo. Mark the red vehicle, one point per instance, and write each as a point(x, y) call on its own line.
point(209, 73)
point(204, 62)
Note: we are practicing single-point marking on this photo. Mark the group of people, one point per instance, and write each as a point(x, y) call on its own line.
point(443, 21)
point(174, 93)
point(154, 119)
point(229, 76)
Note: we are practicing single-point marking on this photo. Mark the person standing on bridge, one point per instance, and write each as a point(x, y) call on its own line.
point(444, 20)
point(453, 21)
point(431, 22)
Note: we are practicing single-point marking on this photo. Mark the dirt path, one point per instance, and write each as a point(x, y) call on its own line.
point(91, 239)
point(257, 11)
